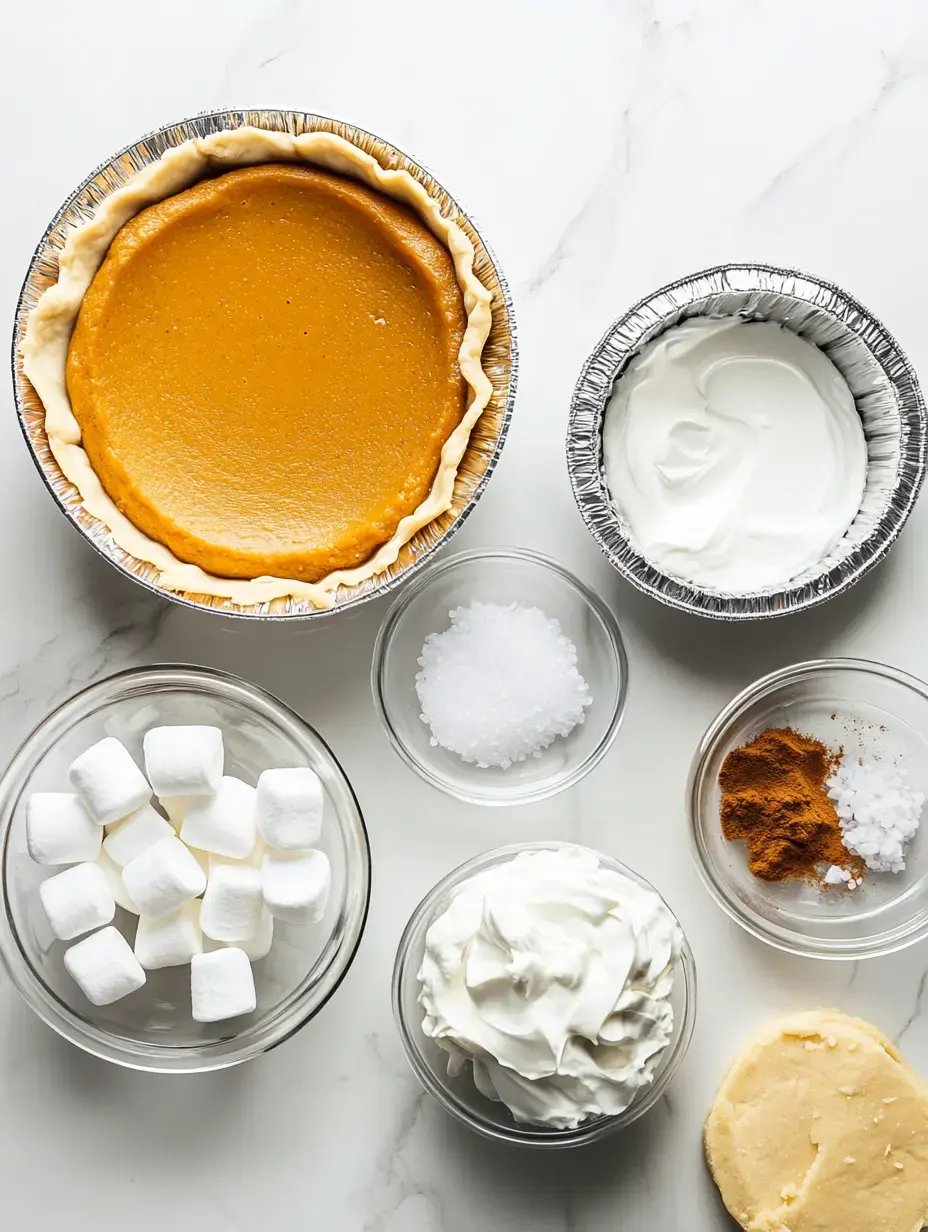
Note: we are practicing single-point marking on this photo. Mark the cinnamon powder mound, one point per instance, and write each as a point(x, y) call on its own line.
point(774, 799)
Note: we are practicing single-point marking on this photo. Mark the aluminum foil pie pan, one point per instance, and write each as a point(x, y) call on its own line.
point(880, 377)
point(500, 360)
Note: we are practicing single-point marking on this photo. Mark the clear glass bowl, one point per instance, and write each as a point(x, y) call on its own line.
point(871, 711)
point(152, 1029)
point(503, 575)
point(459, 1096)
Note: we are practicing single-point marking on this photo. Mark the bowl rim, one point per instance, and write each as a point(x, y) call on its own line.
point(100, 1042)
point(384, 641)
point(236, 117)
point(588, 1131)
point(782, 938)
point(584, 446)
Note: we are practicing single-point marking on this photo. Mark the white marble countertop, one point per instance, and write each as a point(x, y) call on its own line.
point(606, 148)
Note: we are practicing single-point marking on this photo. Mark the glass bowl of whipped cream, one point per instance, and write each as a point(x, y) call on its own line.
point(746, 442)
point(545, 994)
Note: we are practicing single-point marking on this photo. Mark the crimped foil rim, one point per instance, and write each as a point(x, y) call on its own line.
point(665, 307)
point(146, 575)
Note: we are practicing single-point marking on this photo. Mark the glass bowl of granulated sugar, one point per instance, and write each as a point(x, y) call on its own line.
point(500, 678)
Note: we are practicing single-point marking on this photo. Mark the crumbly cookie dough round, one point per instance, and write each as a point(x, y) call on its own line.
point(820, 1126)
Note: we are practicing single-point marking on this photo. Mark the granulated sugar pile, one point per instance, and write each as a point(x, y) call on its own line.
point(500, 684)
point(878, 812)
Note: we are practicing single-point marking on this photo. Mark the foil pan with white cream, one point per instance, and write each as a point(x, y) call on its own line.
point(797, 546)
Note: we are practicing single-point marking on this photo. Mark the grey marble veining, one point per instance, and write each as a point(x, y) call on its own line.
point(605, 147)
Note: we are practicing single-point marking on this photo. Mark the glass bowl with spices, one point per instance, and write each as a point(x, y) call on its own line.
point(805, 798)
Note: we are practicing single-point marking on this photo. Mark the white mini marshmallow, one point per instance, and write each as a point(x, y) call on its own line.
point(259, 946)
point(203, 858)
point(224, 823)
point(183, 761)
point(163, 877)
point(257, 855)
point(296, 886)
point(77, 900)
point(169, 940)
point(232, 903)
point(108, 781)
point(104, 967)
point(59, 830)
point(113, 874)
point(222, 985)
point(141, 829)
point(175, 807)
point(289, 808)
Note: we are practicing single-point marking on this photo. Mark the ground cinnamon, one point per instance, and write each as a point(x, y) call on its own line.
point(774, 799)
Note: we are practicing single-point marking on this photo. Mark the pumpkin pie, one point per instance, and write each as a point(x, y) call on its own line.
point(263, 379)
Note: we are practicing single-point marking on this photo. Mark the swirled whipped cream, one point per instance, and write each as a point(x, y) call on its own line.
point(735, 452)
point(551, 974)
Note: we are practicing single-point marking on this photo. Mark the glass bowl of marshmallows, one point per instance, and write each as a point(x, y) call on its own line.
point(185, 870)
point(499, 677)
point(545, 994)
point(872, 722)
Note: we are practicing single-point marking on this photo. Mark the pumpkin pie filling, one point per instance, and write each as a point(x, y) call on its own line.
point(265, 370)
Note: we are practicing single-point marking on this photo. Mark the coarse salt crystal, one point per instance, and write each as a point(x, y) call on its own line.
point(878, 812)
point(500, 684)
